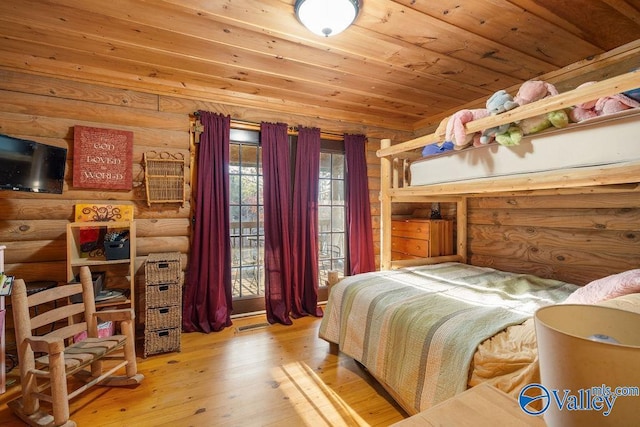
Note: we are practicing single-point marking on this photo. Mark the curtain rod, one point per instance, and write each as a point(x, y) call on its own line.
point(291, 130)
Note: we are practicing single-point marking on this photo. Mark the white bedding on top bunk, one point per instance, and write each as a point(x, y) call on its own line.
point(599, 141)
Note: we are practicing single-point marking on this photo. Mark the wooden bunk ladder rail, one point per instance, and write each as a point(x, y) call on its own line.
point(385, 208)
point(568, 99)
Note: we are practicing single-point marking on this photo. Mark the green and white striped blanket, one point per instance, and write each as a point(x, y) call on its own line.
point(416, 329)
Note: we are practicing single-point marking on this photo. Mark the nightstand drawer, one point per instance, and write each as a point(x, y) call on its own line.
point(411, 228)
point(415, 247)
point(421, 238)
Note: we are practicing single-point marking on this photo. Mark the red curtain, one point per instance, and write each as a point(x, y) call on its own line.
point(276, 173)
point(305, 224)
point(361, 257)
point(207, 302)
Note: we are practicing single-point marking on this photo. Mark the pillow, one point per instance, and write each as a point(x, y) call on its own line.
point(616, 285)
point(629, 302)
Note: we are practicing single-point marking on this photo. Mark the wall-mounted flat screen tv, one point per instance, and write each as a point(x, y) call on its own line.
point(31, 166)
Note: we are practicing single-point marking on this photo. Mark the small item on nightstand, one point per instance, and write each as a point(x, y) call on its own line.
point(435, 211)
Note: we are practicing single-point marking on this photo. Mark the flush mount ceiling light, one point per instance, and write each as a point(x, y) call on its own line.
point(326, 17)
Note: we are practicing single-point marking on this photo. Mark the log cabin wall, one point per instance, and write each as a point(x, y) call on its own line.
point(33, 226)
point(373, 172)
point(572, 237)
point(43, 109)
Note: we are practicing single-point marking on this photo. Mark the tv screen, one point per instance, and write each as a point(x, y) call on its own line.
point(31, 166)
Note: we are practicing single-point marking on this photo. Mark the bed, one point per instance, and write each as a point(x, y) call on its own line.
point(416, 329)
point(599, 152)
point(384, 319)
point(427, 333)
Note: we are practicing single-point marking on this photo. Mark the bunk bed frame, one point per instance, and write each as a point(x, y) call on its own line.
point(396, 158)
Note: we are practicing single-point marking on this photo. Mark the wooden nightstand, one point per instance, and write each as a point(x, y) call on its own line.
point(420, 238)
point(479, 406)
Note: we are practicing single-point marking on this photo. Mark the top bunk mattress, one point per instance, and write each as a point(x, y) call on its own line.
point(599, 141)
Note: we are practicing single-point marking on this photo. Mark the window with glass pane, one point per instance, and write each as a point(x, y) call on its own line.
point(331, 215)
point(246, 219)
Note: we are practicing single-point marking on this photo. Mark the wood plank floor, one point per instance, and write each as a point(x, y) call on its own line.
point(260, 376)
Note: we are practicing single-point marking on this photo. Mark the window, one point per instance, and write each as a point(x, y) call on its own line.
point(246, 215)
point(331, 214)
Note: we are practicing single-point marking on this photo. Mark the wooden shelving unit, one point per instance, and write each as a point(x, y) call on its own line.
point(97, 261)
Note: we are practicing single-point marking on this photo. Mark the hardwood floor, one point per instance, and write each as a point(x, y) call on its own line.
point(261, 376)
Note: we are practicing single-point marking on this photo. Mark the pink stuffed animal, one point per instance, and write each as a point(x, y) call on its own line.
point(614, 103)
point(602, 106)
point(455, 131)
point(534, 90)
point(584, 111)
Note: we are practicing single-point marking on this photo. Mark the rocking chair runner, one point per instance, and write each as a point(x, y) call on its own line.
point(61, 358)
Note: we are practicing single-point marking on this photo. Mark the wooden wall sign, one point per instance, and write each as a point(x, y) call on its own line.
point(102, 158)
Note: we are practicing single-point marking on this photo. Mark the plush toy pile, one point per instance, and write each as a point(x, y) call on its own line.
point(453, 128)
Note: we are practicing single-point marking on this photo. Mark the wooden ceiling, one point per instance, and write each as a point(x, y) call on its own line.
point(402, 66)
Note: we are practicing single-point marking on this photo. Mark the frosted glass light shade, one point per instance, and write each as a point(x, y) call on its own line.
point(326, 17)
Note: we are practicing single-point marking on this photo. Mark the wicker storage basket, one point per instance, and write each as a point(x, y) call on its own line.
point(163, 295)
point(161, 341)
point(163, 268)
point(163, 303)
point(163, 317)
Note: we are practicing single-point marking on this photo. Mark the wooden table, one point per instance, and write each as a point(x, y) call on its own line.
point(479, 406)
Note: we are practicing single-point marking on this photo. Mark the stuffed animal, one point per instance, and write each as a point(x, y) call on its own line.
point(602, 106)
point(455, 130)
point(437, 148)
point(535, 90)
point(614, 103)
point(500, 102)
point(497, 103)
point(585, 110)
point(512, 136)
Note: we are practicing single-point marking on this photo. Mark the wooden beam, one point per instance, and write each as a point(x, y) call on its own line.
point(566, 178)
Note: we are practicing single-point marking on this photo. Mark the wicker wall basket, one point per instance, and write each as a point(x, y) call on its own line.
point(164, 177)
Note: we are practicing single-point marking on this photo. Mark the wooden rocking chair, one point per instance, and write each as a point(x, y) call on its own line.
point(58, 357)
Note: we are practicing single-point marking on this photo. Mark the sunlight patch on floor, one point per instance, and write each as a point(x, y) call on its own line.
point(315, 403)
